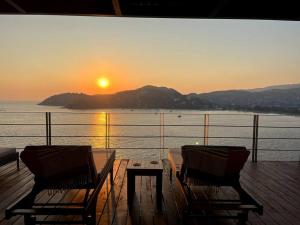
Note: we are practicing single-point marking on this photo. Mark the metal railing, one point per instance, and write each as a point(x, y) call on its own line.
point(48, 124)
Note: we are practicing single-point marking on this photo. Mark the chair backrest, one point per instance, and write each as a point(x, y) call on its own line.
point(60, 165)
point(219, 161)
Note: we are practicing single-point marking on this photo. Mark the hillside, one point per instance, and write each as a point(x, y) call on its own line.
point(285, 100)
point(273, 100)
point(148, 97)
point(283, 86)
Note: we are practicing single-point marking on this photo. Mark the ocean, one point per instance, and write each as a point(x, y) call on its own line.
point(148, 134)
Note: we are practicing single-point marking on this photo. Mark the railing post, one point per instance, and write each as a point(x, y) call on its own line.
point(106, 130)
point(47, 131)
point(50, 135)
point(255, 138)
point(257, 125)
point(48, 128)
point(162, 135)
point(205, 131)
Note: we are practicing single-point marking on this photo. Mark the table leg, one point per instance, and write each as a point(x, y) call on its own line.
point(159, 190)
point(130, 187)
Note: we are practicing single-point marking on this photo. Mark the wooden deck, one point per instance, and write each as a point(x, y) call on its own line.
point(275, 184)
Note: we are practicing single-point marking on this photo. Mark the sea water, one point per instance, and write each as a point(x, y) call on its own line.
point(148, 134)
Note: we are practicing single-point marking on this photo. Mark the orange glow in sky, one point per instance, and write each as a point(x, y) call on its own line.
point(46, 55)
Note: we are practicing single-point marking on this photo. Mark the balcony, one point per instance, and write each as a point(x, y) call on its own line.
point(274, 183)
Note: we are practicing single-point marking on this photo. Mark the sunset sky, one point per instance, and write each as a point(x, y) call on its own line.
point(45, 55)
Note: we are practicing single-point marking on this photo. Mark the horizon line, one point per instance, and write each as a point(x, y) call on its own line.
point(158, 86)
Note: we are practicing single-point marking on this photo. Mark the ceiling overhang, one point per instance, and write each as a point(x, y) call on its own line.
point(205, 9)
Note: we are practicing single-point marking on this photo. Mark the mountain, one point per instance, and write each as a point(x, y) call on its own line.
point(284, 100)
point(64, 99)
point(273, 100)
point(147, 97)
point(284, 86)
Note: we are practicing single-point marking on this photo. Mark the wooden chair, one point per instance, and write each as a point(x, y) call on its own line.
point(213, 166)
point(63, 168)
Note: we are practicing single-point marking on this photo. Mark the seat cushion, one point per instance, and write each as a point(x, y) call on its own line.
point(7, 151)
point(67, 166)
point(218, 161)
point(61, 163)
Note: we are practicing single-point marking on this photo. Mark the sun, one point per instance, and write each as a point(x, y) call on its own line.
point(103, 83)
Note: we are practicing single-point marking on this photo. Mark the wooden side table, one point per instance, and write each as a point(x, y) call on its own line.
point(144, 168)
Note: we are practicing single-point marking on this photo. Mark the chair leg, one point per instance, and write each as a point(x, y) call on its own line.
point(86, 196)
point(18, 160)
point(184, 219)
point(112, 175)
point(18, 163)
point(243, 217)
point(189, 198)
point(91, 216)
point(30, 198)
point(243, 195)
point(29, 220)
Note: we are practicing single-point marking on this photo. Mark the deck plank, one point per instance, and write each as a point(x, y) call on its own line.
point(169, 203)
point(265, 187)
point(103, 195)
point(121, 211)
point(108, 212)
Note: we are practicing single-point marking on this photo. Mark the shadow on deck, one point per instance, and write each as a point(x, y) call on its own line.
point(275, 184)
